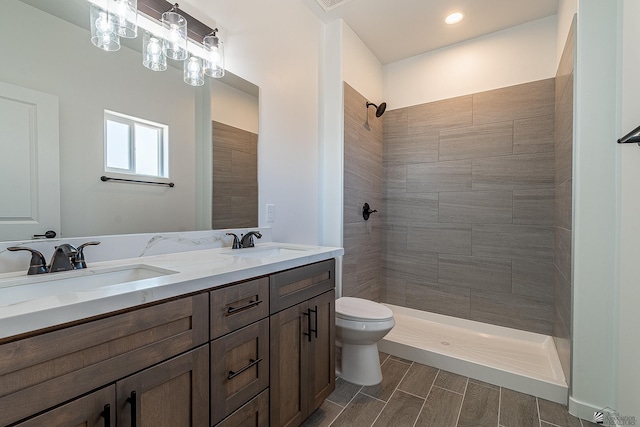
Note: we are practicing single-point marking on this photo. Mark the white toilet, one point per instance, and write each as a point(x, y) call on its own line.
point(360, 324)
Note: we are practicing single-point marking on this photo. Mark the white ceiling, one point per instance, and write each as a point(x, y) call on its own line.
point(398, 29)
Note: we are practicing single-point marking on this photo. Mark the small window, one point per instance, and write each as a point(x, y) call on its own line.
point(135, 146)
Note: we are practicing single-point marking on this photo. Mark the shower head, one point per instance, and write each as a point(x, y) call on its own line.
point(379, 108)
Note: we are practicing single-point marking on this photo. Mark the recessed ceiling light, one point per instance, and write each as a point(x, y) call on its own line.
point(454, 18)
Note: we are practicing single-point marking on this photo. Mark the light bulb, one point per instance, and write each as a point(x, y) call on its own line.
point(103, 23)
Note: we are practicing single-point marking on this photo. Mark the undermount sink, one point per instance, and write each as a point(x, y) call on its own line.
point(265, 252)
point(25, 288)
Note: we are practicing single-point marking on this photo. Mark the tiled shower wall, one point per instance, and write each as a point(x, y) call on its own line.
point(235, 177)
point(563, 204)
point(468, 206)
point(362, 184)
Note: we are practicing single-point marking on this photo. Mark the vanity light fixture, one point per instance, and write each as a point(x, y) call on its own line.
point(194, 71)
point(104, 32)
point(214, 60)
point(454, 18)
point(126, 13)
point(152, 56)
point(174, 44)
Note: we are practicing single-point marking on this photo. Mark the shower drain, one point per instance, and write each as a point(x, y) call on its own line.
point(445, 343)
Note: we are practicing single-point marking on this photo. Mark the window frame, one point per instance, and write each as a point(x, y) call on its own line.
point(162, 144)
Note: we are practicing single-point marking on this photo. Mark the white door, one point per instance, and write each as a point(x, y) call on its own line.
point(29, 164)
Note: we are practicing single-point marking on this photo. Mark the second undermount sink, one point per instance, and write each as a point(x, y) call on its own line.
point(259, 252)
point(24, 288)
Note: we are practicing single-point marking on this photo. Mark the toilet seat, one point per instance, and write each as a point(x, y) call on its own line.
point(362, 310)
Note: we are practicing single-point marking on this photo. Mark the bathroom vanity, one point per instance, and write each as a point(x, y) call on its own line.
point(229, 338)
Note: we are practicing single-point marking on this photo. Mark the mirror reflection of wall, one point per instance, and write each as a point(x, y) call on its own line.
point(50, 55)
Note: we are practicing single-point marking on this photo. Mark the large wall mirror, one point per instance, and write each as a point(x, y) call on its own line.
point(47, 51)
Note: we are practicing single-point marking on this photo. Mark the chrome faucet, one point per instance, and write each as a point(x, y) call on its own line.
point(247, 240)
point(65, 257)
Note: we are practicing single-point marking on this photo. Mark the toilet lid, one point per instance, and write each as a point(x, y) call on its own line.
point(361, 309)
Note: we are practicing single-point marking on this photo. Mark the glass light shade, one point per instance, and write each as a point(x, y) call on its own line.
point(175, 36)
point(214, 61)
point(126, 13)
point(194, 71)
point(152, 56)
point(104, 32)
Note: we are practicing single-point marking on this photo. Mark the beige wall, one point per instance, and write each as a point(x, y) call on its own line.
point(468, 206)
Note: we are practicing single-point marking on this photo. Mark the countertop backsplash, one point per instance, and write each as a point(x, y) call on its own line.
point(114, 247)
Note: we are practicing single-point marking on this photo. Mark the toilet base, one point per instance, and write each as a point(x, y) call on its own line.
point(359, 364)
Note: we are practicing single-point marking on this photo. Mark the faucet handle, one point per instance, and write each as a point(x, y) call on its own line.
point(247, 240)
point(236, 241)
point(79, 261)
point(37, 265)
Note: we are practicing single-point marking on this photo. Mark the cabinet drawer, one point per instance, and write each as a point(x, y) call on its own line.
point(239, 368)
point(239, 305)
point(299, 284)
point(40, 372)
point(254, 413)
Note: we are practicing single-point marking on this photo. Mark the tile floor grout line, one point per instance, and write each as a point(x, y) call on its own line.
point(392, 393)
point(462, 403)
point(499, 404)
point(538, 409)
point(451, 391)
point(425, 399)
point(345, 406)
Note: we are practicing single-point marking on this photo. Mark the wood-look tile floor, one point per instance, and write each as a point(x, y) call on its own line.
point(417, 395)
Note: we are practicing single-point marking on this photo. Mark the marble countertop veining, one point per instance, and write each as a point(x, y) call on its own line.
point(178, 274)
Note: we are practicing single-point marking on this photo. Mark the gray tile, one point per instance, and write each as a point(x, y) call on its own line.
point(419, 380)
point(400, 359)
point(443, 299)
point(556, 414)
point(565, 66)
point(453, 112)
point(440, 409)
point(513, 311)
point(484, 384)
point(513, 241)
point(450, 381)
point(440, 238)
point(564, 135)
point(344, 392)
point(410, 207)
point(361, 411)
point(394, 237)
point(544, 424)
point(392, 373)
point(475, 272)
point(562, 247)
point(532, 278)
point(479, 407)
point(402, 410)
point(534, 135)
point(586, 423)
point(395, 123)
point(563, 205)
point(414, 266)
point(514, 102)
point(422, 148)
point(533, 207)
point(487, 140)
point(323, 416)
point(476, 207)
point(516, 172)
point(518, 409)
point(383, 357)
point(441, 176)
point(394, 290)
point(394, 179)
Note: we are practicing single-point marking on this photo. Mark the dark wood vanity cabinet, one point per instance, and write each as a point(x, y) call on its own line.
point(258, 353)
point(302, 342)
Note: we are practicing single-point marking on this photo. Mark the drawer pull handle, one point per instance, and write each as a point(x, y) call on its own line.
point(315, 331)
point(132, 401)
point(252, 362)
point(106, 414)
point(232, 310)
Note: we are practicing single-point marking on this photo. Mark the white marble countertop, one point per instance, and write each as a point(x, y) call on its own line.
point(29, 303)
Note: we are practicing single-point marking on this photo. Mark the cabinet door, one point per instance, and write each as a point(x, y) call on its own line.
point(322, 375)
point(254, 413)
point(239, 368)
point(174, 393)
point(289, 367)
point(97, 409)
